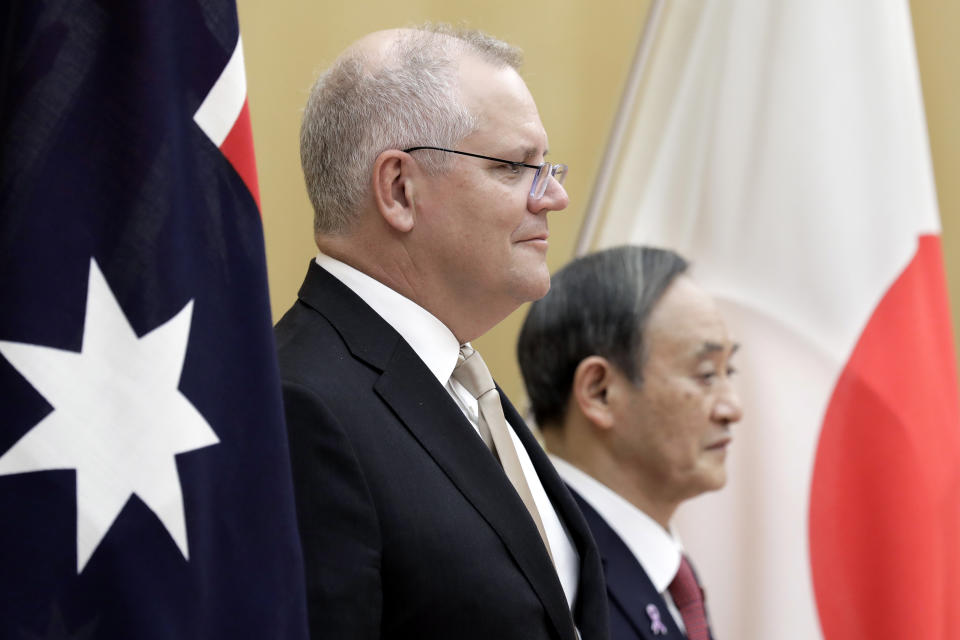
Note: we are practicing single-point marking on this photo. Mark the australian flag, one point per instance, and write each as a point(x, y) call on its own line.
point(145, 488)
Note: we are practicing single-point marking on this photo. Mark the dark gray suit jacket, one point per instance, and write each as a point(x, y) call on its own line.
point(410, 528)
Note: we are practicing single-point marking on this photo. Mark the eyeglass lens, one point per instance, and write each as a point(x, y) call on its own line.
point(542, 178)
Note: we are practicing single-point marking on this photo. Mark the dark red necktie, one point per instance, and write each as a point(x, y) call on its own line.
point(688, 597)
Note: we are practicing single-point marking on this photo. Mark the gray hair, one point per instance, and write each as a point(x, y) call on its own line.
point(361, 107)
point(597, 305)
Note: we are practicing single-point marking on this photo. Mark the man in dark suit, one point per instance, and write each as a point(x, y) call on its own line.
point(426, 508)
point(627, 365)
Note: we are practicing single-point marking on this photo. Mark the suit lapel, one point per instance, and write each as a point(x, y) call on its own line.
point(628, 585)
point(437, 423)
point(431, 416)
point(590, 608)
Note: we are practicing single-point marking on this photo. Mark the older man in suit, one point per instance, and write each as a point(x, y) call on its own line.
point(426, 508)
point(627, 364)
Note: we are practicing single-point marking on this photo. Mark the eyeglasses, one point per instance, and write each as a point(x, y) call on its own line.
point(541, 178)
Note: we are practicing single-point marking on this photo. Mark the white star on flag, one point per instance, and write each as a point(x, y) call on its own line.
point(118, 417)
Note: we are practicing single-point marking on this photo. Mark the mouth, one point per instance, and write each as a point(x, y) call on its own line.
point(720, 445)
point(539, 239)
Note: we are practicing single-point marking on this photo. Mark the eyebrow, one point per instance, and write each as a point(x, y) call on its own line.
point(712, 347)
point(531, 152)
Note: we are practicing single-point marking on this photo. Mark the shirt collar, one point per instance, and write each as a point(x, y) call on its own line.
point(657, 550)
point(430, 339)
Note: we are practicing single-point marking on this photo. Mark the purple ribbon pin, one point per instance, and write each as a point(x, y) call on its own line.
point(656, 624)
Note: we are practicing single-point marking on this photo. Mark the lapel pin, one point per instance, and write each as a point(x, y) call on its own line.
point(656, 624)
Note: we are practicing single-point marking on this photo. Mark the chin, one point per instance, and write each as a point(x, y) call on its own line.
point(709, 476)
point(717, 480)
point(534, 283)
point(535, 291)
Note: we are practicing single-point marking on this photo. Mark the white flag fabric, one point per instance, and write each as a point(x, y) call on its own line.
point(782, 147)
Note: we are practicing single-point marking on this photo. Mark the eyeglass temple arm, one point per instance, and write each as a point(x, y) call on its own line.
point(475, 155)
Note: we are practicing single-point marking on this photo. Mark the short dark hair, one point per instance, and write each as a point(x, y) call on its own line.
point(597, 305)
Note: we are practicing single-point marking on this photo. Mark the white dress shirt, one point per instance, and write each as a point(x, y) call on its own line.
point(436, 345)
point(657, 550)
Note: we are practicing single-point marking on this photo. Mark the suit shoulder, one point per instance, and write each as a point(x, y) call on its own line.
point(306, 339)
point(301, 323)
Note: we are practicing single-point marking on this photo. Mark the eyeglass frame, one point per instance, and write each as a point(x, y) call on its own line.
point(554, 167)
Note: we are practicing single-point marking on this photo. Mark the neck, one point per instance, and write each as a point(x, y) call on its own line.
point(588, 453)
point(392, 266)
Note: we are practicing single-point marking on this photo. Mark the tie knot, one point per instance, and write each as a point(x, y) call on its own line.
point(471, 371)
point(465, 352)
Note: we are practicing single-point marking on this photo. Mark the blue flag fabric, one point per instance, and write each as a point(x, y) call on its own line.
point(145, 487)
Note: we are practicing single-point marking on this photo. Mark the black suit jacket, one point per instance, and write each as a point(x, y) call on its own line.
point(629, 589)
point(409, 526)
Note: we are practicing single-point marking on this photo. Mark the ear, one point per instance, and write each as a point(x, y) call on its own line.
point(393, 188)
point(590, 392)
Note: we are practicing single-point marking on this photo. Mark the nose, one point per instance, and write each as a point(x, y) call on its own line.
point(555, 198)
point(727, 409)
